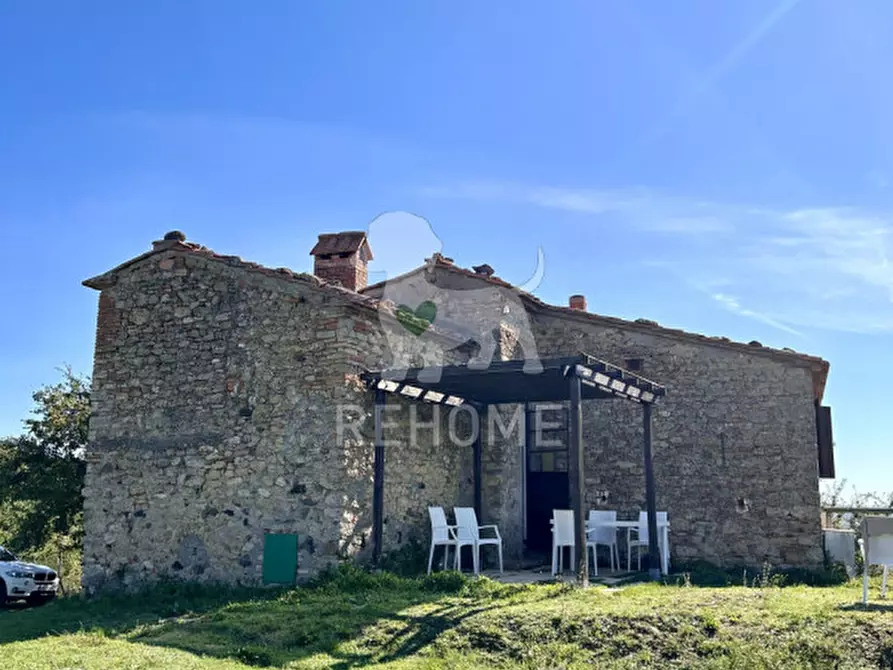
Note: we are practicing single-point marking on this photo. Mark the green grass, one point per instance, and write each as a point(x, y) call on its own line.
point(352, 618)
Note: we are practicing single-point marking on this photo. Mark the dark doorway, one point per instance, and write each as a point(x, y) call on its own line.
point(546, 448)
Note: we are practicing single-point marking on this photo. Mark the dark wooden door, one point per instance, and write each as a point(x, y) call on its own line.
point(547, 478)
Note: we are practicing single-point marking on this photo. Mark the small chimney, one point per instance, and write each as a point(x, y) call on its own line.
point(171, 239)
point(343, 258)
point(485, 270)
point(578, 302)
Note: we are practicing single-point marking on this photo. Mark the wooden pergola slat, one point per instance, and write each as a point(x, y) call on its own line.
point(573, 378)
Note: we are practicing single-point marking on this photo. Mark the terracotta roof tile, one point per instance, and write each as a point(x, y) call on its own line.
point(340, 243)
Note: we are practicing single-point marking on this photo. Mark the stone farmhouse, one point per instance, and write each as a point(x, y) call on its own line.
point(231, 428)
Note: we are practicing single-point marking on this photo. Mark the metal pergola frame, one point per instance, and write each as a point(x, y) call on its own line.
point(573, 378)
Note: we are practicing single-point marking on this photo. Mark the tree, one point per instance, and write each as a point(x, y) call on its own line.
point(834, 494)
point(42, 471)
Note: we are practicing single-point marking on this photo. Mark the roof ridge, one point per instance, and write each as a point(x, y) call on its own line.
point(360, 298)
point(106, 278)
point(386, 307)
point(639, 324)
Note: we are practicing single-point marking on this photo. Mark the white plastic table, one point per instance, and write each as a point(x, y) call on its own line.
point(662, 528)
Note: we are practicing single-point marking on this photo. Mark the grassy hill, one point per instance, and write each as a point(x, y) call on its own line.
point(353, 618)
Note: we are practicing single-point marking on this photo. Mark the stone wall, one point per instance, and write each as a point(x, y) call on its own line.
point(421, 471)
point(422, 468)
point(734, 440)
point(734, 444)
point(215, 410)
point(503, 472)
point(216, 396)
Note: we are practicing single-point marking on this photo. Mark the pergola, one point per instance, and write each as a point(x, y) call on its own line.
point(573, 378)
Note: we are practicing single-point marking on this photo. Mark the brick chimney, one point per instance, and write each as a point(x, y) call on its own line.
point(343, 258)
point(578, 302)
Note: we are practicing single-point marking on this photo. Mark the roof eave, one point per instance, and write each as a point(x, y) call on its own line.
point(818, 366)
point(100, 282)
point(820, 373)
point(110, 277)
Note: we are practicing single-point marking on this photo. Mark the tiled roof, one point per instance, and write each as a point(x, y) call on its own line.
point(819, 366)
point(107, 278)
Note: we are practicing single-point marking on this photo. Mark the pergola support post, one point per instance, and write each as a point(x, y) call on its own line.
point(577, 475)
point(479, 464)
point(654, 561)
point(378, 477)
point(570, 378)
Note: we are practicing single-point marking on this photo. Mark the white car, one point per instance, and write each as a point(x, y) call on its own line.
point(25, 581)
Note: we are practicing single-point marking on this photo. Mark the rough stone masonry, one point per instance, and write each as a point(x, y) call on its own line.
point(219, 386)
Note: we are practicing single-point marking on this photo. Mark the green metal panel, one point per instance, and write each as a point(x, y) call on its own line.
point(280, 558)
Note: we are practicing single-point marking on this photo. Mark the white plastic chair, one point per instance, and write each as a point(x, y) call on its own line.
point(601, 530)
point(468, 533)
point(562, 536)
point(638, 538)
point(442, 535)
point(877, 549)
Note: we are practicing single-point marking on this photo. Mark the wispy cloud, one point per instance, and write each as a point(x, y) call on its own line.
point(725, 65)
point(648, 209)
point(691, 225)
point(809, 267)
point(588, 202)
point(731, 304)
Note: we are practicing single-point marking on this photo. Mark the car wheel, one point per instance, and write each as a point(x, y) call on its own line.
point(2, 593)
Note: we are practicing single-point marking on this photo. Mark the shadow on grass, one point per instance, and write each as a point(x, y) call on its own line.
point(17, 605)
point(870, 607)
point(354, 619)
point(351, 616)
point(118, 614)
point(422, 631)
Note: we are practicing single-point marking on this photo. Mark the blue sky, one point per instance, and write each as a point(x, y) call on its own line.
point(731, 164)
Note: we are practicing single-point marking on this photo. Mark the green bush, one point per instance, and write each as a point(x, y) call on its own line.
point(41, 477)
point(444, 582)
point(410, 560)
point(62, 553)
point(256, 656)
